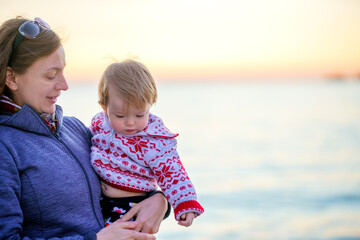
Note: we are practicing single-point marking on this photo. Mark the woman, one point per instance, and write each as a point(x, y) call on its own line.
point(47, 186)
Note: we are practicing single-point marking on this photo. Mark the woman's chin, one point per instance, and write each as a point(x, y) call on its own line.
point(50, 109)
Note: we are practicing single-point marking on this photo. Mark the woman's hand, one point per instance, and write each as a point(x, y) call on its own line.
point(149, 213)
point(119, 230)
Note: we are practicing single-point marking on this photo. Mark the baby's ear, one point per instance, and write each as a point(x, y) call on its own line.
point(103, 107)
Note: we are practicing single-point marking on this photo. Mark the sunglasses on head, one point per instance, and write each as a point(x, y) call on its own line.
point(29, 29)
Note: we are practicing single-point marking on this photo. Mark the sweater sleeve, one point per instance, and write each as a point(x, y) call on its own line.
point(174, 180)
point(11, 215)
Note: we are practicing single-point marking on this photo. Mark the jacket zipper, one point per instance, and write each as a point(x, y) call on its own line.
point(57, 136)
point(85, 173)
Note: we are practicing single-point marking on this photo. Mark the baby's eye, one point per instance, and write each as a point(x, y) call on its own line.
point(119, 116)
point(139, 116)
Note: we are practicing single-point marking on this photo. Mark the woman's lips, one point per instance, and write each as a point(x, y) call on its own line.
point(53, 99)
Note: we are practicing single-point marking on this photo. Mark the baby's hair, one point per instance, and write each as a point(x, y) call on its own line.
point(132, 81)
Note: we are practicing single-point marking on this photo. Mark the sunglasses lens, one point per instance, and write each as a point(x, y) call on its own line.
point(42, 23)
point(29, 30)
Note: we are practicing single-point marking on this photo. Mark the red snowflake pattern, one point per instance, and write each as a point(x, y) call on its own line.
point(138, 144)
point(97, 125)
point(164, 173)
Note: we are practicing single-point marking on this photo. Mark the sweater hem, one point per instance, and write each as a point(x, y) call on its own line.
point(125, 188)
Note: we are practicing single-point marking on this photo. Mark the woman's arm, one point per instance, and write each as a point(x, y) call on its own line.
point(149, 213)
point(11, 214)
point(10, 188)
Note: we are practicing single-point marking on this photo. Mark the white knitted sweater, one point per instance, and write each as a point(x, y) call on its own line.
point(143, 161)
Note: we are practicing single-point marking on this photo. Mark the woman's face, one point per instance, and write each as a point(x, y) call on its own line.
point(42, 83)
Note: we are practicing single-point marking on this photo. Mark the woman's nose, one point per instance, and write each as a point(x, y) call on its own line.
point(62, 84)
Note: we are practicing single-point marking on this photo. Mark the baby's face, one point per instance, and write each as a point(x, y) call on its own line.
point(125, 119)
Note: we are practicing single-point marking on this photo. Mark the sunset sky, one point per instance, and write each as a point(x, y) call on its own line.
point(206, 40)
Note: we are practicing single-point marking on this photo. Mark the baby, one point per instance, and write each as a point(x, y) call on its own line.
point(133, 152)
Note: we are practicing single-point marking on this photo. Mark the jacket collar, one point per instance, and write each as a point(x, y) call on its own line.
point(28, 120)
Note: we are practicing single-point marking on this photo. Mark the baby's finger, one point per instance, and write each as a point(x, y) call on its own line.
point(185, 223)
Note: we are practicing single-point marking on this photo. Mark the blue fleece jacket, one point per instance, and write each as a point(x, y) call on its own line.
point(47, 187)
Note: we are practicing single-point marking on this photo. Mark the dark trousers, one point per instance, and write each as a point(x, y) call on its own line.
point(114, 208)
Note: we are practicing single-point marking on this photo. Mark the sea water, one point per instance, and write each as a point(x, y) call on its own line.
point(269, 161)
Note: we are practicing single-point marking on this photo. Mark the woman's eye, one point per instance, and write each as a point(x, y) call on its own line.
point(51, 75)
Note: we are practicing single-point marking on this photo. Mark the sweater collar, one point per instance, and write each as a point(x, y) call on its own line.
point(157, 128)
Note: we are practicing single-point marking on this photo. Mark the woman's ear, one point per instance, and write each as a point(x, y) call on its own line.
point(10, 81)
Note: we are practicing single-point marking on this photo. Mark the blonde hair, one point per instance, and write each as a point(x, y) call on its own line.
point(26, 53)
point(133, 82)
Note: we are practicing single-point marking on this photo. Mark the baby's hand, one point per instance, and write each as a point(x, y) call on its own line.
point(186, 219)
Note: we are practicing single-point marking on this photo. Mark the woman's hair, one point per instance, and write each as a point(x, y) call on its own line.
point(26, 53)
point(132, 81)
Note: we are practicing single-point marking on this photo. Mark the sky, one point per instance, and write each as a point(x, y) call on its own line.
point(204, 39)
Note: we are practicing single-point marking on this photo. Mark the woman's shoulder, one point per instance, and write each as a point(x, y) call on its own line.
point(72, 120)
point(75, 124)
